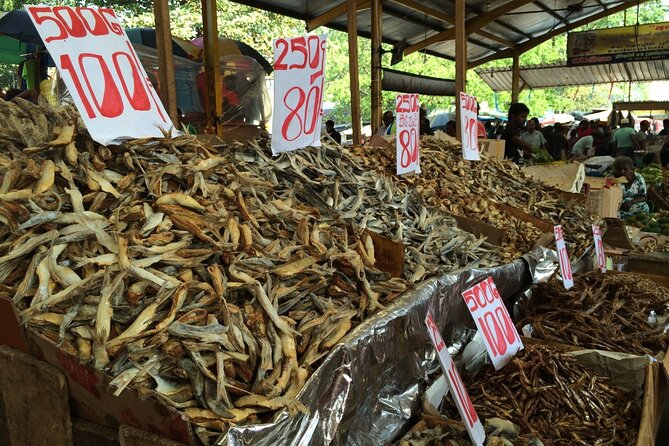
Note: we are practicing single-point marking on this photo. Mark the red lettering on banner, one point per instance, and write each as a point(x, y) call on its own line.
point(409, 142)
point(558, 233)
point(566, 266)
point(76, 22)
point(113, 24)
point(299, 45)
point(280, 65)
point(432, 326)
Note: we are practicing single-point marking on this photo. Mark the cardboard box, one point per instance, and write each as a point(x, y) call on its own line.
point(605, 202)
point(493, 147)
point(566, 177)
point(492, 234)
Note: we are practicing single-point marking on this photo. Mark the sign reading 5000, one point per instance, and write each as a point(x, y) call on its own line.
point(102, 72)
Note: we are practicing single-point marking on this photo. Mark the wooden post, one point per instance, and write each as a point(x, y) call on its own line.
point(376, 66)
point(460, 60)
point(352, 18)
point(212, 67)
point(168, 89)
point(35, 398)
point(515, 77)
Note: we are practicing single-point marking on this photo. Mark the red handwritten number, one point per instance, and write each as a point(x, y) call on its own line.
point(42, 14)
point(436, 336)
point(409, 142)
point(111, 20)
point(66, 65)
point(294, 113)
point(99, 25)
point(72, 22)
point(280, 64)
point(463, 396)
point(299, 45)
point(470, 300)
point(112, 104)
point(564, 261)
point(321, 65)
point(139, 99)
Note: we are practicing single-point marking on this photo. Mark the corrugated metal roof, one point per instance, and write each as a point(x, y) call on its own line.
point(560, 75)
point(513, 24)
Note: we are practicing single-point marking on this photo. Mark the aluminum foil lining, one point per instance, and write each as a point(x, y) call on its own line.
point(369, 386)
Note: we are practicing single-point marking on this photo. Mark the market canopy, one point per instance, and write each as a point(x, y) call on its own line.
point(561, 75)
point(496, 28)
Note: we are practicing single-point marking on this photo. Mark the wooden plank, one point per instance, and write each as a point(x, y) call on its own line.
point(212, 69)
point(426, 10)
point(352, 17)
point(35, 400)
point(166, 76)
point(131, 436)
point(515, 77)
point(460, 60)
point(377, 33)
point(332, 14)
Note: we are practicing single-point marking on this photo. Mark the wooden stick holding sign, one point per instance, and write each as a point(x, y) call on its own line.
point(469, 127)
point(563, 257)
point(407, 118)
point(600, 259)
point(299, 67)
point(493, 321)
point(458, 390)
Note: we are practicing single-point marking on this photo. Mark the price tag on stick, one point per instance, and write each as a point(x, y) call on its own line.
point(599, 248)
point(299, 68)
point(469, 127)
point(563, 257)
point(102, 72)
point(458, 390)
point(493, 321)
point(407, 119)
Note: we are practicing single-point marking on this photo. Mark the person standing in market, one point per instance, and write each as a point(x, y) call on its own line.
point(533, 137)
point(584, 129)
point(639, 138)
point(665, 128)
point(386, 122)
point(424, 123)
point(634, 191)
point(556, 141)
point(330, 129)
point(622, 140)
point(514, 145)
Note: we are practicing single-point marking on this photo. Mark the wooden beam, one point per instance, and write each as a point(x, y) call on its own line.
point(551, 12)
point(212, 67)
point(426, 10)
point(377, 32)
point(473, 25)
point(352, 19)
point(529, 44)
point(332, 14)
point(460, 61)
point(506, 42)
point(166, 78)
point(515, 77)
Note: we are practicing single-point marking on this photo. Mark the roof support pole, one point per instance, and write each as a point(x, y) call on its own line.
point(168, 89)
point(515, 77)
point(352, 18)
point(376, 65)
point(212, 69)
point(460, 60)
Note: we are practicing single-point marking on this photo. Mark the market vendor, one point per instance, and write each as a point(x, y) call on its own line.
point(634, 191)
point(515, 147)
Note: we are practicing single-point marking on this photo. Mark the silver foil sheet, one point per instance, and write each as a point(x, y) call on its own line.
point(368, 387)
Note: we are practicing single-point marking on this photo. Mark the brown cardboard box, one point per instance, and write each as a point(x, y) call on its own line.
point(604, 202)
point(566, 177)
point(493, 147)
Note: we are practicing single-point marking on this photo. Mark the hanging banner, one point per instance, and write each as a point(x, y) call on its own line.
point(599, 248)
point(563, 257)
point(469, 127)
point(493, 322)
point(102, 72)
point(299, 67)
point(407, 143)
point(458, 390)
point(622, 44)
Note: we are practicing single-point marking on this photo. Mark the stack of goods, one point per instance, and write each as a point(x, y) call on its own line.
point(555, 400)
point(217, 280)
point(656, 222)
point(602, 311)
point(449, 182)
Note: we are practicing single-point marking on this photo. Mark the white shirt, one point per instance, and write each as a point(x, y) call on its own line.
point(583, 146)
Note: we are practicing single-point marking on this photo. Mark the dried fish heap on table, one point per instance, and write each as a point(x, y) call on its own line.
point(551, 396)
point(165, 266)
point(602, 311)
point(333, 181)
point(450, 182)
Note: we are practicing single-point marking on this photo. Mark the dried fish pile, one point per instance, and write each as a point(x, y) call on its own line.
point(553, 397)
point(449, 182)
point(440, 431)
point(169, 268)
point(601, 311)
point(336, 183)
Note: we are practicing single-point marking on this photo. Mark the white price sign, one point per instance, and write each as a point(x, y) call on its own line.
point(299, 67)
point(102, 72)
point(458, 390)
point(563, 257)
point(407, 118)
point(469, 127)
point(599, 248)
point(493, 321)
